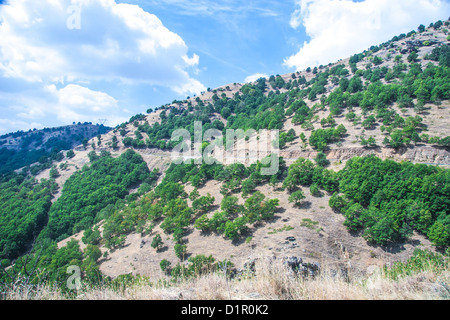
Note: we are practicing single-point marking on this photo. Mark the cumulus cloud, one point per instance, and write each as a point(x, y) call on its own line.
point(80, 60)
point(340, 28)
point(8, 125)
point(74, 100)
point(91, 40)
point(66, 104)
point(255, 77)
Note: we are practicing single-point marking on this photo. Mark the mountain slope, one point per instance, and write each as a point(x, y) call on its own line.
point(391, 101)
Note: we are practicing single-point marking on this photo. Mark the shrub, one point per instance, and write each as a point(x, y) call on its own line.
point(157, 242)
point(296, 197)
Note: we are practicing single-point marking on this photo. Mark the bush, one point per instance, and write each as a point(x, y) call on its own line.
point(321, 159)
point(157, 242)
point(315, 190)
point(180, 250)
point(296, 197)
point(165, 266)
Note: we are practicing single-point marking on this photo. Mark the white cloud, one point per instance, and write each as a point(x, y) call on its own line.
point(113, 42)
point(255, 77)
point(73, 100)
point(8, 125)
point(66, 104)
point(191, 61)
point(193, 86)
point(340, 28)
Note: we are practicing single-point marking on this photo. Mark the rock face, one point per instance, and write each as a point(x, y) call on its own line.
point(412, 45)
point(300, 268)
point(427, 155)
point(295, 265)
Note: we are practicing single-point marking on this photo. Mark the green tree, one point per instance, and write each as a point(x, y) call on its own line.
point(203, 204)
point(194, 194)
point(165, 266)
point(315, 190)
point(230, 205)
point(412, 57)
point(321, 159)
point(157, 242)
point(180, 250)
point(54, 173)
point(296, 197)
point(439, 233)
point(203, 223)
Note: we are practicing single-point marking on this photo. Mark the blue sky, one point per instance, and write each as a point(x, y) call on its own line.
point(83, 60)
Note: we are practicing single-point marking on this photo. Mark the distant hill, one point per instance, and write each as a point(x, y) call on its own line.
point(21, 149)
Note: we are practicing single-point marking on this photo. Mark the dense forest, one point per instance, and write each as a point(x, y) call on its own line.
point(383, 200)
point(24, 204)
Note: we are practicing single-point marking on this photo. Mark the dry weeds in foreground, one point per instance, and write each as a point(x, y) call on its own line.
point(273, 282)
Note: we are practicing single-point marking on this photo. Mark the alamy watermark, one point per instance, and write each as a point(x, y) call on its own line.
point(74, 19)
point(74, 281)
point(240, 147)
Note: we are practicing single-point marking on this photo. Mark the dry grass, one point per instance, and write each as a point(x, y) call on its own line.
point(272, 282)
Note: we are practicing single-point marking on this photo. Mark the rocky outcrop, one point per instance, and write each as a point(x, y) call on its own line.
point(301, 268)
point(295, 265)
point(427, 155)
point(412, 45)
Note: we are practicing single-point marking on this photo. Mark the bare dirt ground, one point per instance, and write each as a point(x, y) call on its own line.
point(325, 240)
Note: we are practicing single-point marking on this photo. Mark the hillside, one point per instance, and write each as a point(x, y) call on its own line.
point(25, 149)
point(362, 181)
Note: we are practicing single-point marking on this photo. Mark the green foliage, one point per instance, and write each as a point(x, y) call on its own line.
point(90, 190)
point(296, 197)
point(203, 204)
point(165, 266)
point(315, 190)
point(196, 266)
point(24, 205)
point(369, 122)
point(180, 250)
point(54, 173)
point(157, 242)
point(91, 236)
point(421, 261)
point(257, 208)
point(439, 232)
point(382, 200)
point(388, 200)
point(194, 194)
point(177, 215)
point(300, 173)
point(413, 57)
point(33, 148)
point(320, 138)
point(286, 137)
point(203, 223)
point(370, 142)
point(236, 228)
point(321, 159)
point(230, 206)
